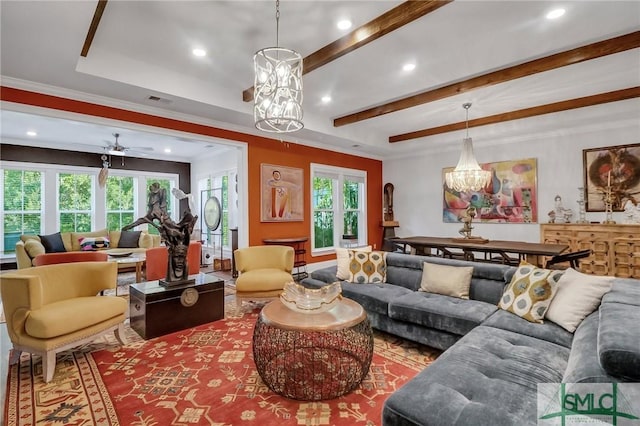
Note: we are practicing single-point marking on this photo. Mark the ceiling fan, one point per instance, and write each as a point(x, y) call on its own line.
point(117, 150)
point(120, 150)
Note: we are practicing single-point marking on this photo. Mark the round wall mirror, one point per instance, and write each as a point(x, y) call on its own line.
point(212, 213)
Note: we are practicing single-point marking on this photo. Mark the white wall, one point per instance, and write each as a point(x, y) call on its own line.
point(417, 200)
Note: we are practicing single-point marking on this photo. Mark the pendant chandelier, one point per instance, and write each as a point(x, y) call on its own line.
point(277, 105)
point(467, 176)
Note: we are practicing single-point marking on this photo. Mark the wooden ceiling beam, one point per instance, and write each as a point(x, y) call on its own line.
point(601, 98)
point(93, 28)
point(568, 57)
point(387, 22)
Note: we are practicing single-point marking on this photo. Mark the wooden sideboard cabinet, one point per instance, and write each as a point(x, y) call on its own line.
point(615, 248)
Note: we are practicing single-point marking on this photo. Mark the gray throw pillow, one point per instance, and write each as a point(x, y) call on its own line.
point(53, 243)
point(129, 239)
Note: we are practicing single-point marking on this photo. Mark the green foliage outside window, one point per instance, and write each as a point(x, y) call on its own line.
point(323, 221)
point(351, 191)
point(74, 202)
point(166, 185)
point(225, 211)
point(120, 201)
point(22, 205)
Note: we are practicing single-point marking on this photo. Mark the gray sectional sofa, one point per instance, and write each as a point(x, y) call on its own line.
point(493, 359)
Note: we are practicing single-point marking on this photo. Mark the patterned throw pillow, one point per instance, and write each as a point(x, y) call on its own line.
point(530, 292)
point(93, 243)
point(367, 267)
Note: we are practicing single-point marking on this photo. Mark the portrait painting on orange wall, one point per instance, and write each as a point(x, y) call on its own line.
point(281, 193)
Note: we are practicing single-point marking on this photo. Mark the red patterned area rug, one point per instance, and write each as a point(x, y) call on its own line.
point(200, 376)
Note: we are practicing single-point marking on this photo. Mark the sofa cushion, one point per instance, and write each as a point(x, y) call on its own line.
point(530, 292)
point(450, 314)
point(489, 377)
point(447, 280)
point(623, 291)
point(374, 297)
point(51, 320)
point(266, 279)
point(52, 243)
point(619, 340)
point(327, 275)
point(343, 261)
point(584, 364)
point(549, 331)
point(34, 247)
point(367, 267)
point(94, 243)
point(577, 296)
point(129, 239)
point(77, 236)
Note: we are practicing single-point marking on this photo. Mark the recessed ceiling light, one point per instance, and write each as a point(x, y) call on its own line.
point(555, 13)
point(326, 99)
point(199, 52)
point(32, 133)
point(409, 67)
point(167, 150)
point(344, 24)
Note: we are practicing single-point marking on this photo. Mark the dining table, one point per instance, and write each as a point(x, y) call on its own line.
point(507, 252)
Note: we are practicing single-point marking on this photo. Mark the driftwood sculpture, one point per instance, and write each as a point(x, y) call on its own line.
point(176, 236)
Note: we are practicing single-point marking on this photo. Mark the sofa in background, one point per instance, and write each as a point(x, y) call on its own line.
point(30, 246)
point(493, 358)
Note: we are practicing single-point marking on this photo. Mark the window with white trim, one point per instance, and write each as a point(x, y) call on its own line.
point(22, 205)
point(120, 201)
point(338, 203)
point(75, 202)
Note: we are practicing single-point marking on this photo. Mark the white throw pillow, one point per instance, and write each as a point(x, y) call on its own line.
point(342, 257)
point(446, 280)
point(577, 296)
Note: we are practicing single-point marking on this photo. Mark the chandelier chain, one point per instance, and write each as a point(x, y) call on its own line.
point(277, 23)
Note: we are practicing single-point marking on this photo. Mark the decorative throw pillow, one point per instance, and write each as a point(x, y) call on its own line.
point(52, 243)
point(367, 267)
point(446, 280)
point(129, 239)
point(530, 292)
point(34, 247)
point(342, 258)
point(93, 243)
point(578, 295)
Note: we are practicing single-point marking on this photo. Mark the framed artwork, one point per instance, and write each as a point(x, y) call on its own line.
point(511, 197)
point(614, 166)
point(281, 193)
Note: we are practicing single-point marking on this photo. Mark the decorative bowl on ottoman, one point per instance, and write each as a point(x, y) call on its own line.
point(308, 300)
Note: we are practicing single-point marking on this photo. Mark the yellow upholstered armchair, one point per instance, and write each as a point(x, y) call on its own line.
point(52, 308)
point(264, 270)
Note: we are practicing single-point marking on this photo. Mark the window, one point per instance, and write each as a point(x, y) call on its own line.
point(167, 185)
point(217, 186)
point(120, 201)
point(75, 202)
point(22, 205)
point(338, 205)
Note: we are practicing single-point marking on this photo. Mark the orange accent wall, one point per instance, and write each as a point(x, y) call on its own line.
point(260, 150)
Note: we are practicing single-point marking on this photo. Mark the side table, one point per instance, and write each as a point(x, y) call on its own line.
point(313, 357)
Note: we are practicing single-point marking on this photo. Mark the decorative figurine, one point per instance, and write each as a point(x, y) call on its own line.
point(582, 215)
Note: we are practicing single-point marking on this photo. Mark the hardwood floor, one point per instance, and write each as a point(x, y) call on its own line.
point(5, 343)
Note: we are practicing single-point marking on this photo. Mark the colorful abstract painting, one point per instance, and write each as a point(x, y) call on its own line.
point(510, 197)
